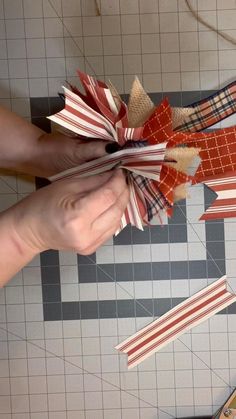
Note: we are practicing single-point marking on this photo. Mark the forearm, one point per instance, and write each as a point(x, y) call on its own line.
point(20, 143)
point(27, 149)
point(15, 253)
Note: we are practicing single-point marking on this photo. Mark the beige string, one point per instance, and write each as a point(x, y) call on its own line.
point(208, 25)
point(196, 16)
point(98, 13)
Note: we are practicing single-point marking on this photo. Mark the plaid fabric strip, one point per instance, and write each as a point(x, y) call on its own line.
point(211, 110)
point(155, 200)
point(159, 194)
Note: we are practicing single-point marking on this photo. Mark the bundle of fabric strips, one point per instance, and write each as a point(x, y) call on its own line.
point(163, 149)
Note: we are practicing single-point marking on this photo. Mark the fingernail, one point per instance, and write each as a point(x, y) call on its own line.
point(112, 147)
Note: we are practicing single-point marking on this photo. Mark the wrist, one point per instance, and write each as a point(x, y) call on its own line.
point(15, 250)
point(34, 158)
point(23, 228)
point(18, 233)
point(22, 159)
point(36, 161)
point(48, 155)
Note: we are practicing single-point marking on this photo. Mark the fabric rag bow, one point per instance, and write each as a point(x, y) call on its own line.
point(154, 173)
point(159, 166)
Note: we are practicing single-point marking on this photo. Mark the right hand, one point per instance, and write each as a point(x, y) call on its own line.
point(77, 214)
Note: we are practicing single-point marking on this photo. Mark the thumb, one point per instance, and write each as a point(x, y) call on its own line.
point(91, 150)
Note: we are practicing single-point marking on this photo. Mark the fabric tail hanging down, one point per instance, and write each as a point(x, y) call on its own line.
point(176, 322)
point(224, 206)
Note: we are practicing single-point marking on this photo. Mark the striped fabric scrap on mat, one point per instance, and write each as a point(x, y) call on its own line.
point(188, 314)
point(224, 206)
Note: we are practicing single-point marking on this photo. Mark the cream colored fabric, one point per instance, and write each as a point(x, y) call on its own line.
point(180, 192)
point(140, 106)
point(179, 116)
point(183, 156)
point(184, 159)
point(115, 94)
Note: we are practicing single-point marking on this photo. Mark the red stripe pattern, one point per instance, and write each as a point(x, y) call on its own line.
point(96, 115)
point(176, 322)
point(148, 195)
point(224, 206)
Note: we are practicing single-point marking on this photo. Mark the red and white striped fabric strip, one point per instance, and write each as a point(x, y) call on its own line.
point(150, 157)
point(125, 134)
point(102, 96)
point(149, 170)
point(177, 321)
point(224, 205)
point(146, 160)
point(136, 211)
point(80, 118)
point(99, 90)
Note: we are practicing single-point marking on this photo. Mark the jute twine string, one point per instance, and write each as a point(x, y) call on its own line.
point(196, 16)
point(200, 19)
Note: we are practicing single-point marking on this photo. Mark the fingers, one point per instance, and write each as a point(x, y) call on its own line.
point(66, 152)
point(106, 196)
point(81, 186)
point(110, 218)
point(90, 150)
point(99, 242)
point(107, 224)
point(81, 213)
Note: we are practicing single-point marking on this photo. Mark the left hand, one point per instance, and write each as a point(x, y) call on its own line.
point(59, 152)
point(27, 149)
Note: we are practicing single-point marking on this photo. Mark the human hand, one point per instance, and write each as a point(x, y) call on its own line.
point(57, 152)
point(30, 150)
point(74, 214)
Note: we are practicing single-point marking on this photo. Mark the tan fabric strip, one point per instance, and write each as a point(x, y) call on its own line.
point(115, 94)
point(140, 105)
point(179, 115)
point(184, 158)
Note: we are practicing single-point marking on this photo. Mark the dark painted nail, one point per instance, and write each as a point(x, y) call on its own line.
point(112, 147)
point(61, 96)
